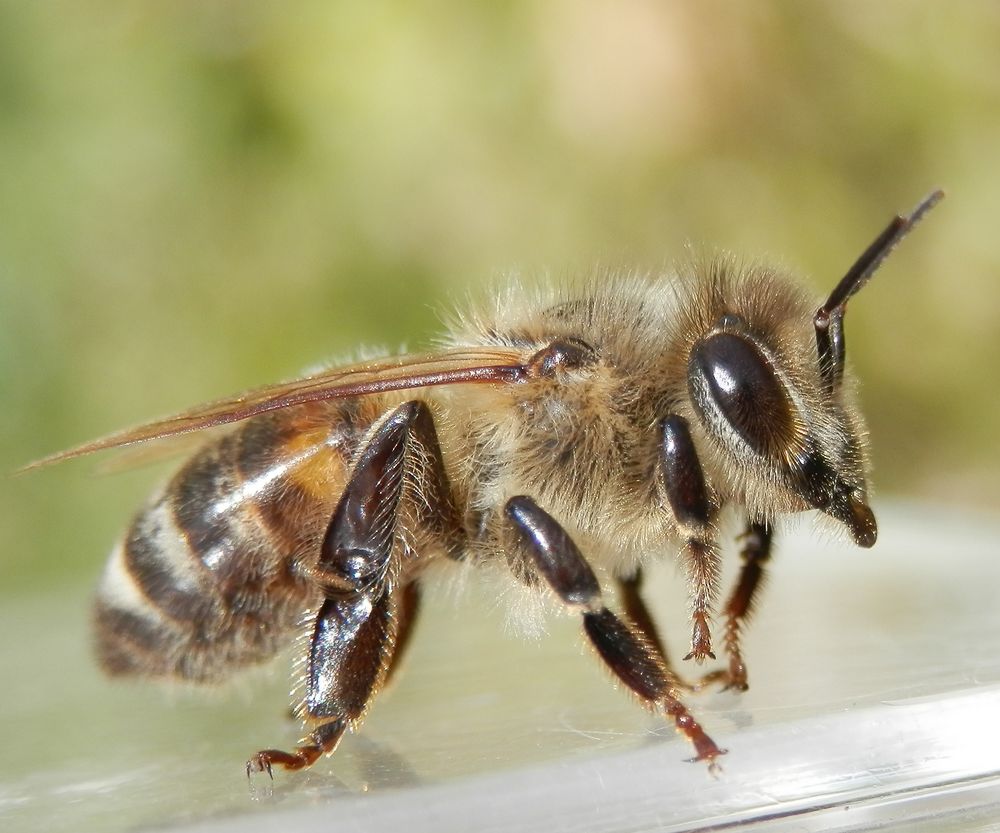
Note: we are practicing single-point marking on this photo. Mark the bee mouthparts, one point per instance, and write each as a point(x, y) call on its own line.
point(861, 522)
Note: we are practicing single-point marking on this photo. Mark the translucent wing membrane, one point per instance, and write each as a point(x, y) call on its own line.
point(449, 367)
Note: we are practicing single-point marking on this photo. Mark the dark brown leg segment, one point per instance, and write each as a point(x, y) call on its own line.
point(638, 614)
point(321, 741)
point(622, 647)
point(693, 509)
point(406, 617)
point(364, 620)
point(755, 553)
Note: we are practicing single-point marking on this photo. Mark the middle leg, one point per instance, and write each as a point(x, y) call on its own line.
point(623, 648)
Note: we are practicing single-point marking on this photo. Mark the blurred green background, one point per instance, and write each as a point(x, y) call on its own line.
point(197, 197)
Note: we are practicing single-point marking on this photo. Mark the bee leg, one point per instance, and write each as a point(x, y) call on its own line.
point(354, 634)
point(638, 614)
point(349, 652)
point(622, 647)
point(689, 499)
point(322, 740)
point(407, 608)
point(755, 553)
point(406, 616)
point(436, 511)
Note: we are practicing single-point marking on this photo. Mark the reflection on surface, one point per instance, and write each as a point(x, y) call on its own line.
point(867, 669)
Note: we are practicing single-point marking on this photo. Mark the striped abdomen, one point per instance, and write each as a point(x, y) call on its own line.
point(209, 576)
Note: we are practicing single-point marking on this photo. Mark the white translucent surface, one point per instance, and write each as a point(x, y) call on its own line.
point(874, 703)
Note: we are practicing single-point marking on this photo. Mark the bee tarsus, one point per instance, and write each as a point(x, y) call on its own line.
point(755, 553)
point(325, 740)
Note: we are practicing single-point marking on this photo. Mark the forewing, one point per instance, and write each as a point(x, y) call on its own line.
point(460, 366)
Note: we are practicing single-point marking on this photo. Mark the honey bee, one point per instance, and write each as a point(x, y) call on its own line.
point(607, 426)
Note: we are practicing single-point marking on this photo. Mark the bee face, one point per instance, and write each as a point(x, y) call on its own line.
point(781, 424)
point(602, 427)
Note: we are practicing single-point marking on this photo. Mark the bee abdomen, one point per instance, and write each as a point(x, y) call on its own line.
point(209, 577)
point(204, 582)
point(161, 612)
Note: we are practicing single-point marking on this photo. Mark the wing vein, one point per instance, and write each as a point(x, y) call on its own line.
point(460, 366)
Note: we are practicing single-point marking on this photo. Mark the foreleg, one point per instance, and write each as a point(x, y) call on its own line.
point(693, 508)
point(755, 553)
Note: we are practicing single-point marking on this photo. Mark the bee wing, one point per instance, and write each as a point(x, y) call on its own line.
point(448, 367)
point(142, 454)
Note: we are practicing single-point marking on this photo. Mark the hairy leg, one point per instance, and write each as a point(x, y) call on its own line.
point(366, 616)
point(622, 647)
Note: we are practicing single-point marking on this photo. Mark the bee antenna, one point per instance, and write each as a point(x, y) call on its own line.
point(829, 318)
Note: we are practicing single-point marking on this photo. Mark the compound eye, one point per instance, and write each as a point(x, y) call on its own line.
point(728, 376)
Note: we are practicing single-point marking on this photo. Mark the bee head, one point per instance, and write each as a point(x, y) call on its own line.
point(784, 421)
point(782, 426)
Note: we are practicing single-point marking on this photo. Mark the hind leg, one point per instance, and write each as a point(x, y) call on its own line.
point(351, 646)
point(365, 620)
